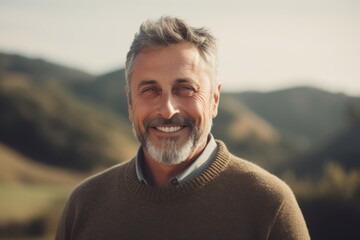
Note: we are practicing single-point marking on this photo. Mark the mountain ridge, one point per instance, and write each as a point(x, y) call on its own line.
point(39, 69)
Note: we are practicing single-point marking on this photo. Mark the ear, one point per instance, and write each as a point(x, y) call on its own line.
point(216, 99)
point(130, 112)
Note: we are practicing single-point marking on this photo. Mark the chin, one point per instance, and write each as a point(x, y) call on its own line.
point(170, 153)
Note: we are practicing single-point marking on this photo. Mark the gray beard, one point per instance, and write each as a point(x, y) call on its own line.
point(169, 152)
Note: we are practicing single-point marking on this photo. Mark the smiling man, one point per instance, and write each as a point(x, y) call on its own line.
point(171, 106)
point(182, 184)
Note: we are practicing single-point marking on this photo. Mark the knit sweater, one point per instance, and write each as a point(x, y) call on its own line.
point(231, 199)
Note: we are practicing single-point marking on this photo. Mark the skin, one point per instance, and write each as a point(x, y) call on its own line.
point(168, 81)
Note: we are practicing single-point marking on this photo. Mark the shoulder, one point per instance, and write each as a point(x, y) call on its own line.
point(257, 178)
point(250, 173)
point(247, 177)
point(92, 197)
point(258, 189)
point(113, 172)
point(266, 195)
point(102, 182)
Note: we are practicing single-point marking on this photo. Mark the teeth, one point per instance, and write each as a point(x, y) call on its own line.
point(168, 129)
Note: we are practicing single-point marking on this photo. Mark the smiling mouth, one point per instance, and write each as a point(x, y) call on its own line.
point(169, 129)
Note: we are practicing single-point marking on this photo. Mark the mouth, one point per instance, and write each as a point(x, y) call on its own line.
point(169, 129)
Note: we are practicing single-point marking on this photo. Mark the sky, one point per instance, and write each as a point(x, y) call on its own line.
point(263, 45)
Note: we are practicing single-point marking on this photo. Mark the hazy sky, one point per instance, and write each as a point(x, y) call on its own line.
point(263, 44)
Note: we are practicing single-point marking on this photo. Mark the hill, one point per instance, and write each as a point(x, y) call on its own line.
point(248, 135)
point(12, 65)
point(107, 90)
point(16, 168)
point(307, 114)
point(47, 124)
point(342, 150)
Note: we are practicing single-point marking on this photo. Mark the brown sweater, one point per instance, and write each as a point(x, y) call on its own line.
point(231, 199)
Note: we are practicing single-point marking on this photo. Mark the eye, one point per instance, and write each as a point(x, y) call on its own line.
point(150, 91)
point(184, 90)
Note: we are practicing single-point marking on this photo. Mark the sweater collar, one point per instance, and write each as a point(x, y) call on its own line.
point(147, 192)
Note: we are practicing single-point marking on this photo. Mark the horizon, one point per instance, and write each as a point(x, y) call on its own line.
point(264, 46)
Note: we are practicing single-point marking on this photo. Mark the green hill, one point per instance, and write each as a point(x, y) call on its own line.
point(248, 135)
point(16, 168)
point(343, 150)
point(108, 90)
point(38, 70)
point(47, 124)
point(307, 114)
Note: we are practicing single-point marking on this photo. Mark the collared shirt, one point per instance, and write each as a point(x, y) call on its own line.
point(199, 165)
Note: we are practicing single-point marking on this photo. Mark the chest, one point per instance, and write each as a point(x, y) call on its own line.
point(194, 217)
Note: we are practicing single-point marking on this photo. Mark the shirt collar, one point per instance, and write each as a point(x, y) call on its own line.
point(199, 165)
point(139, 166)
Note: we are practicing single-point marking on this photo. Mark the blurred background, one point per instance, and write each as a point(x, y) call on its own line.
point(290, 72)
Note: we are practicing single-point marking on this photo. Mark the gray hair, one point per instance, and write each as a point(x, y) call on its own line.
point(171, 30)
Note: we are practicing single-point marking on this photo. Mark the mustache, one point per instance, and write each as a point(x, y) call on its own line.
point(176, 120)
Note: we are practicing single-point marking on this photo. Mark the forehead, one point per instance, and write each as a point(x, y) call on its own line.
point(175, 61)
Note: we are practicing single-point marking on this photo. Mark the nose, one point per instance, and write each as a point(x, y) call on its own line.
point(168, 107)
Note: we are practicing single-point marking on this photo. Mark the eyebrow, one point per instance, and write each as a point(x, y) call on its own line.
point(146, 82)
point(187, 80)
point(154, 82)
point(182, 80)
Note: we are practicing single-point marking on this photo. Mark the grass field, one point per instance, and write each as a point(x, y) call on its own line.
point(22, 202)
point(32, 196)
point(31, 210)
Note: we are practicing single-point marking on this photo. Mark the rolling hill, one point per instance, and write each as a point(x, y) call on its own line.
point(16, 168)
point(343, 150)
point(38, 70)
point(47, 124)
point(107, 90)
point(248, 135)
point(304, 113)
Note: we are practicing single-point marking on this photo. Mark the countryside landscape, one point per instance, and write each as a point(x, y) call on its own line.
point(59, 125)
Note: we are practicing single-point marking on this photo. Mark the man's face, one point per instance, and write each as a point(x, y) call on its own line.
point(172, 104)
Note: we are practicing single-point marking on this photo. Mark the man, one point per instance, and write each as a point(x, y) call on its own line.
point(182, 184)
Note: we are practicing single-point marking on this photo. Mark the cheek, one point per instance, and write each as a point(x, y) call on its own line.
point(138, 114)
point(198, 108)
point(140, 107)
